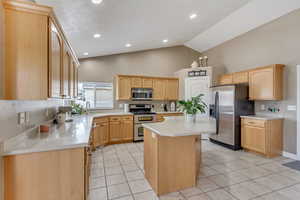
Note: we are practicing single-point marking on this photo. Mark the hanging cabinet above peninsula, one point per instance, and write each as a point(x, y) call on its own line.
point(39, 61)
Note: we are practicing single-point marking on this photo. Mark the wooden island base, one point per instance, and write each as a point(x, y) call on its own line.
point(171, 163)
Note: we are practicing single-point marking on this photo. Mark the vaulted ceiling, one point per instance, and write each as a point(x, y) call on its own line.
point(142, 23)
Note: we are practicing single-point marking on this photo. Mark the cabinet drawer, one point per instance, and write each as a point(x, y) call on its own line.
point(101, 119)
point(115, 119)
point(254, 122)
point(127, 118)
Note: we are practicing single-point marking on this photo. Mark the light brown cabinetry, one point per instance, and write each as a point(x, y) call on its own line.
point(159, 90)
point(34, 58)
point(163, 159)
point(66, 73)
point(121, 129)
point(266, 83)
point(240, 77)
point(123, 88)
point(26, 54)
point(49, 175)
point(163, 88)
point(172, 87)
point(136, 82)
point(226, 79)
point(100, 132)
point(112, 129)
point(55, 58)
point(262, 136)
point(147, 82)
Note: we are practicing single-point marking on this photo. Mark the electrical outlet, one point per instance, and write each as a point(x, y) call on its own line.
point(263, 107)
point(47, 112)
point(291, 107)
point(21, 118)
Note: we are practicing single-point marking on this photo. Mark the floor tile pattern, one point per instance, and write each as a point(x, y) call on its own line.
point(117, 173)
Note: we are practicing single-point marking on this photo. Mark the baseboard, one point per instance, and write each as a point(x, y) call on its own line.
point(289, 155)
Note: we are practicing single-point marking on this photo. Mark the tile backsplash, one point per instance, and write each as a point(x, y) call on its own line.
point(39, 111)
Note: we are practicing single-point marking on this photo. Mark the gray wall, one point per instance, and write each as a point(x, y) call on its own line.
point(157, 62)
point(276, 42)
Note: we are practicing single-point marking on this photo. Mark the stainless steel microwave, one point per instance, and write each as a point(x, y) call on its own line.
point(141, 94)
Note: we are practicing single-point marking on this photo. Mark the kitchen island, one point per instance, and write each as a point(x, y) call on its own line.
point(172, 152)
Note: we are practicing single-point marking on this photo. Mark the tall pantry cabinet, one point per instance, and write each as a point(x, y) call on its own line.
point(38, 56)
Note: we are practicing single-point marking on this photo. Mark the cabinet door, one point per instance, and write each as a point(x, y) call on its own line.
point(172, 88)
point(104, 132)
point(147, 83)
point(72, 79)
point(75, 80)
point(115, 134)
point(261, 84)
point(66, 73)
point(226, 79)
point(136, 82)
point(127, 130)
point(159, 89)
point(96, 133)
point(240, 77)
point(124, 88)
point(25, 71)
point(55, 52)
point(254, 138)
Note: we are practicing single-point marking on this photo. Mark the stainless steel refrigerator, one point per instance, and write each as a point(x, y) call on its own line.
point(229, 102)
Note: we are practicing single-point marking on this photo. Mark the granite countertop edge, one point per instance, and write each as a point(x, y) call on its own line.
point(261, 117)
point(71, 135)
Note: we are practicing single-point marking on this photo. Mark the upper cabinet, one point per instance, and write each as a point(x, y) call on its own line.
point(37, 53)
point(164, 88)
point(266, 83)
point(172, 87)
point(159, 89)
point(55, 59)
point(225, 79)
point(240, 77)
point(123, 87)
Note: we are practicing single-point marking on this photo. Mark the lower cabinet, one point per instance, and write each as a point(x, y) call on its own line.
point(262, 136)
point(61, 175)
point(114, 129)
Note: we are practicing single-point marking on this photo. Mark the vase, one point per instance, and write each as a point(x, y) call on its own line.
point(190, 118)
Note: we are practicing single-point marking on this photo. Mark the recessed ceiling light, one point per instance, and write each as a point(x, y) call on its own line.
point(85, 53)
point(97, 1)
point(128, 45)
point(165, 40)
point(97, 35)
point(193, 16)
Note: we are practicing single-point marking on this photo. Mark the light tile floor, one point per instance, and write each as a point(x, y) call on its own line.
point(118, 174)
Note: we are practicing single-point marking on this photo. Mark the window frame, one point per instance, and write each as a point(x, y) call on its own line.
point(94, 88)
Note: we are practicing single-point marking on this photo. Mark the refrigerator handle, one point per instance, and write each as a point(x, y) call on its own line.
point(217, 110)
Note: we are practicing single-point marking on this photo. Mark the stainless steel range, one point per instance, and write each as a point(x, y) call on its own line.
point(142, 114)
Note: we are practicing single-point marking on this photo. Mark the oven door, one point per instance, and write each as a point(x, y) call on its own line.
point(138, 132)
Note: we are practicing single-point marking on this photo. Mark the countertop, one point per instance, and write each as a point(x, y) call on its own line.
point(169, 112)
point(66, 136)
point(177, 126)
point(262, 117)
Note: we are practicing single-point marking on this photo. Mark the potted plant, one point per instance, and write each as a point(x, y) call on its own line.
point(192, 107)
